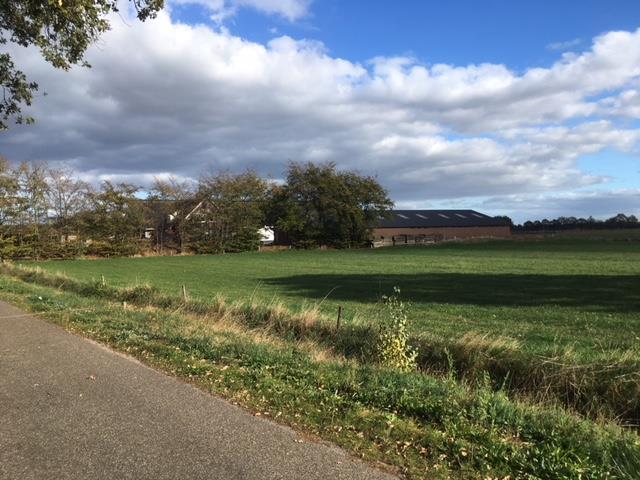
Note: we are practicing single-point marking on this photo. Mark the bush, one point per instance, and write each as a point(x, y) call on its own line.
point(392, 347)
point(113, 249)
point(10, 249)
point(247, 240)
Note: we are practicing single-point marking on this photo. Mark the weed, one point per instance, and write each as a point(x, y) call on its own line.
point(392, 345)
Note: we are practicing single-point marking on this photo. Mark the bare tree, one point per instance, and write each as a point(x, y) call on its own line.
point(67, 195)
point(34, 192)
point(167, 204)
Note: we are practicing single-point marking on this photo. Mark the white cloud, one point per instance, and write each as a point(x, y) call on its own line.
point(624, 104)
point(169, 97)
point(485, 97)
point(566, 45)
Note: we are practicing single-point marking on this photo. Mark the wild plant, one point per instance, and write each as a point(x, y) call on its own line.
point(392, 347)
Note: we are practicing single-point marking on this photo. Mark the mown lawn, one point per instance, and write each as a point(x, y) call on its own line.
point(548, 295)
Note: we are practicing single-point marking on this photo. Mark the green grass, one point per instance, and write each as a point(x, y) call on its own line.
point(427, 427)
point(557, 294)
point(553, 320)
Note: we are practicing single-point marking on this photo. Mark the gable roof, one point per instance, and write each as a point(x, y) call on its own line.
point(438, 218)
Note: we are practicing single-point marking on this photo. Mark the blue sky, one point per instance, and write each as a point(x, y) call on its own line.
point(519, 34)
point(530, 109)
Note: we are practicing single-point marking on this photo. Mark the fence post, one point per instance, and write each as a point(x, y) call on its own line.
point(103, 280)
point(184, 293)
point(339, 318)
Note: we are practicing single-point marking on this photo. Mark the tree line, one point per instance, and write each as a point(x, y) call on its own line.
point(619, 221)
point(52, 213)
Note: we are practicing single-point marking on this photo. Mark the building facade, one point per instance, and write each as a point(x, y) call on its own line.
point(402, 227)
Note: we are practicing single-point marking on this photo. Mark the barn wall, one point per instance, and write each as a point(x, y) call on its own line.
point(445, 232)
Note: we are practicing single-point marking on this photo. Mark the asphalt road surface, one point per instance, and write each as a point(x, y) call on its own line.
point(72, 409)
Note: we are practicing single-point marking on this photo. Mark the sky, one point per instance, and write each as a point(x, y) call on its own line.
point(526, 109)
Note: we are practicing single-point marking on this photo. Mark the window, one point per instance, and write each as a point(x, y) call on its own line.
point(402, 216)
point(422, 216)
point(477, 215)
point(443, 215)
point(460, 215)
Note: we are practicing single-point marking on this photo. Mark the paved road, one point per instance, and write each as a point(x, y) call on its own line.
point(71, 409)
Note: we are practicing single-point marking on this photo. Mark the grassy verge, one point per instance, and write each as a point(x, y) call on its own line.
point(606, 387)
point(427, 427)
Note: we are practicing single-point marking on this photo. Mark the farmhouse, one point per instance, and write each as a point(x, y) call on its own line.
point(402, 227)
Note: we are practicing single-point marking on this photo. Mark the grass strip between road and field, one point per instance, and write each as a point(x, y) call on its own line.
point(608, 387)
point(426, 426)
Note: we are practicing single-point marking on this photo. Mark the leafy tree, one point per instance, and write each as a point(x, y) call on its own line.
point(229, 213)
point(572, 223)
point(62, 30)
point(116, 222)
point(505, 219)
point(9, 189)
point(8, 193)
point(319, 205)
point(622, 220)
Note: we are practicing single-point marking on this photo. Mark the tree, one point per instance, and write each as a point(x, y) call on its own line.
point(168, 202)
point(230, 211)
point(33, 190)
point(319, 205)
point(62, 30)
point(507, 220)
point(8, 193)
point(116, 222)
point(67, 195)
point(68, 199)
point(572, 223)
point(8, 209)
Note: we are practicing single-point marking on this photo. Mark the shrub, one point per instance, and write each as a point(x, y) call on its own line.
point(100, 248)
point(392, 347)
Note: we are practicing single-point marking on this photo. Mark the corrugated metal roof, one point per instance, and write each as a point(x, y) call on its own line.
point(438, 218)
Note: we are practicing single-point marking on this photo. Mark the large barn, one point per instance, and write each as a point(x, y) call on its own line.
point(424, 226)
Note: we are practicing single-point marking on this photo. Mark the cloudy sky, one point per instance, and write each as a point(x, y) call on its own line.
point(527, 111)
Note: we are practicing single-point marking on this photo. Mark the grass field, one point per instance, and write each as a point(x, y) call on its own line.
point(529, 351)
point(426, 426)
point(576, 295)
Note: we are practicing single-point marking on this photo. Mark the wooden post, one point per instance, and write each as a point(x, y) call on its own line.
point(103, 280)
point(184, 293)
point(339, 318)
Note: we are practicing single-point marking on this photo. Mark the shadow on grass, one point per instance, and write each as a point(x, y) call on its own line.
point(618, 293)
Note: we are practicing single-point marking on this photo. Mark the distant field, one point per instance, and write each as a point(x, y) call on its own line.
point(549, 294)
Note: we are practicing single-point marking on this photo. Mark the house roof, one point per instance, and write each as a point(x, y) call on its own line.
point(438, 218)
